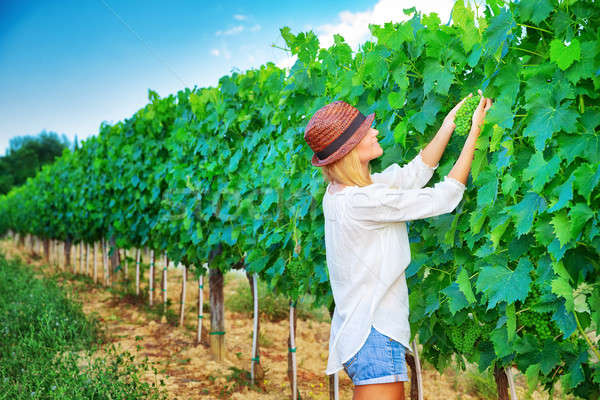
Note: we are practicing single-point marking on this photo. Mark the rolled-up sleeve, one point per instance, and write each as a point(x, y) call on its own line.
point(376, 205)
point(412, 175)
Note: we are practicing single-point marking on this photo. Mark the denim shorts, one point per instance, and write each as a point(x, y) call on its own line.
point(379, 360)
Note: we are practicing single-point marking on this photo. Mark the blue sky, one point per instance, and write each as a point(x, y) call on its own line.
point(66, 66)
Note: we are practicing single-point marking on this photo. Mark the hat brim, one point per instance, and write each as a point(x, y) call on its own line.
point(344, 149)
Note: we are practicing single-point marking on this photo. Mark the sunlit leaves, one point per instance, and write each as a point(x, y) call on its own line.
point(539, 171)
point(375, 68)
point(305, 45)
point(465, 19)
point(498, 30)
point(524, 212)
point(535, 10)
point(562, 229)
point(586, 180)
point(547, 120)
point(427, 114)
point(437, 77)
point(564, 55)
point(578, 216)
point(400, 132)
point(499, 283)
point(393, 35)
point(464, 285)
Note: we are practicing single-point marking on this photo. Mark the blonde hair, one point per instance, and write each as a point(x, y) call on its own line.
point(348, 171)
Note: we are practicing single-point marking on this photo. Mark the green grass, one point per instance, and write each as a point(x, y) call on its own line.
point(48, 347)
point(274, 307)
point(481, 384)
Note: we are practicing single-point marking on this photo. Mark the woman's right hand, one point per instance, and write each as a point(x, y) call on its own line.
point(479, 114)
point(462, 167)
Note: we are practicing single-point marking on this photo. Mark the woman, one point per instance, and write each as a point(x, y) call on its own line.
point(366, 241)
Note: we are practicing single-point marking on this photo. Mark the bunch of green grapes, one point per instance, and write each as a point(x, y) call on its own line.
point(536, 323)
point(463, 337)
point(464, 115)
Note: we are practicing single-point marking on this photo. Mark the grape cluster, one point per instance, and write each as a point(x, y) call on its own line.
point(463, 337)
point(464, 115)
point(536, 323)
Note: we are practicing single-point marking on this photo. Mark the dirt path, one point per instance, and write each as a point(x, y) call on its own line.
point(189, 371)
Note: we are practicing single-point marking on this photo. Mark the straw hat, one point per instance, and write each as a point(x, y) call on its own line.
point(334, 130)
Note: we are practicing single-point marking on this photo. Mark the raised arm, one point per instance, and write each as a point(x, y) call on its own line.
point(462, 166)
point(432, 153)
point(378, 205)
point(434, 149)
point(412, 175)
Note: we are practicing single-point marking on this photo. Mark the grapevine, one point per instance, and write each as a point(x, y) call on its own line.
point(464, 336)
point(535, 322)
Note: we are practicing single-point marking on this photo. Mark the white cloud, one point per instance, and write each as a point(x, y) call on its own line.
point(240, 17)
point(224, 52)
point(255, 28)
point(233, 31)
point(286, 62)
point(354, 27)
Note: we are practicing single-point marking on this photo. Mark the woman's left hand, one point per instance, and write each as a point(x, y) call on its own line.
point(449, 120)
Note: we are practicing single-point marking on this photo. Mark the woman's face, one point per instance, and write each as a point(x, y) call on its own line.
point(369, 147)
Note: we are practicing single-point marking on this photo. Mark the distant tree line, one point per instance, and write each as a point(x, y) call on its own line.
point(26, 155)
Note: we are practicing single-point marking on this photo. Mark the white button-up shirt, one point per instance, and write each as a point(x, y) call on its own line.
point(367, 252)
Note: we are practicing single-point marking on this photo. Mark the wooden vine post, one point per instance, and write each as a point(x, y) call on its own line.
point(115, 259)
point(501, 383)
point(200, 305)
point(292, 373)
point(74, 261)
point(67, 252)
point(80, 257)
point(164, 279)
point(52, 252)
point(94, 262)
point(151, 278)
point(417, 371)
point(137, 272)
point(87, 259)
point(511, 383)
point(256, 370)
point(334, 380)
point(60, 245)
point(164, 286)
point(49, 249)
point(217, 314)
point(125, 261)
point(182, 302)
point(46, 243)
point(104, 262)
